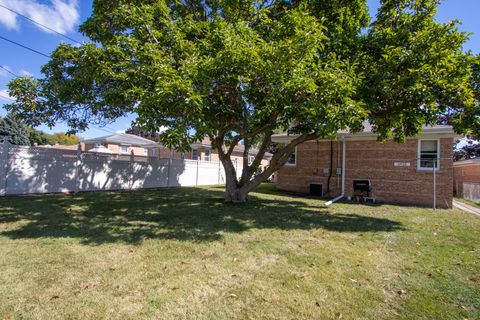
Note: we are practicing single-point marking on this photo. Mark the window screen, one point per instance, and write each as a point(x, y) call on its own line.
point(428, 153)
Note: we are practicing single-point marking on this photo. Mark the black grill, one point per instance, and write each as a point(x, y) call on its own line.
point(362, 188)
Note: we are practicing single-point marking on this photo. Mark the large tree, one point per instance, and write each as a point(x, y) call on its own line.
point(236, 71)
point(469, 149)
point(13, 131)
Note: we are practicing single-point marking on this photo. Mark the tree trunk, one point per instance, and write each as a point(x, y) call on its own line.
point(237, 195)
point(234, 193)
point(237, 191)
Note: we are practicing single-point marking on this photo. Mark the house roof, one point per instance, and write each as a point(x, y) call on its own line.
point(239, 148)
point(124, 139)
point(469, 162)
point(367, 134)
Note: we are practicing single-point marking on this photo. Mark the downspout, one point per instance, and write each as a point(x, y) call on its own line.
point(338, 164)
point(328, 203)
point(330, 173)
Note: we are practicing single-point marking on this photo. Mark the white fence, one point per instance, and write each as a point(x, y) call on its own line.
point(25, 170)
point(471, 191)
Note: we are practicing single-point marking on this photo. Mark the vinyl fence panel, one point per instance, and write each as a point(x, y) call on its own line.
point(471, 191)
point(26, 170)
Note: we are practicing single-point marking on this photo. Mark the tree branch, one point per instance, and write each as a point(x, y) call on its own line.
point(279, 159)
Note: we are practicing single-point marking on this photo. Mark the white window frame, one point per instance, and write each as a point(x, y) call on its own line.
point(419, 152)
point(151, 152)
point(121, 148)
point(209, 157)
point(145, 151)
point(196, 151)
point(296, 159)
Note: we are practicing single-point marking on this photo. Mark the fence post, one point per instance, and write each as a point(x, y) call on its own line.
point(4, 167)
point(196, 176)
point(78, 164)
point(168, 171)
point(236, 169)
point(435, 185)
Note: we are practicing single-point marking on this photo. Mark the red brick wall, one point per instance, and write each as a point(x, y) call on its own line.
point(374, 161)
point(465, 173)
point(311, 160)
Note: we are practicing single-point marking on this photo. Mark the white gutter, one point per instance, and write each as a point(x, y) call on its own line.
point(446, 131)
point(328, 203)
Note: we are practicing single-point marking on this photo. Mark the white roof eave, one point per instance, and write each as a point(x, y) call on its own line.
point(427, 133)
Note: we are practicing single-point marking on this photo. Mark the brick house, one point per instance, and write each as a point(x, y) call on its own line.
point(123, 144)
point(126, 144)
point(466, 179)
point(396, 173)
point(201, 150)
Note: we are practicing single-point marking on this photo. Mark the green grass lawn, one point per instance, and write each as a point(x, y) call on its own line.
point(184, 254)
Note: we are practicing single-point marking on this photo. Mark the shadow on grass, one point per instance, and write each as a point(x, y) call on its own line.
point(186, 214)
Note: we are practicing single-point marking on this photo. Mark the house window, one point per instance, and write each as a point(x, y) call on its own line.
point(195, 154)
point(152, 152)
point(428, 152)
point(207, 155)
point(292, 160)
point(182, 155)
point(124, 149)
point(145, 151)
point(250, 159)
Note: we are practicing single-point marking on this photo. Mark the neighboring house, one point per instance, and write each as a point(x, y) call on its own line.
point(466, 179)
point(385, 171)
point(123, 143)
point(203, 150)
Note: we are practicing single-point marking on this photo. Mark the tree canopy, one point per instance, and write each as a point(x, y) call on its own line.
point(18, 133)
point(13, 131)
point(469, 150)
point(236, 71)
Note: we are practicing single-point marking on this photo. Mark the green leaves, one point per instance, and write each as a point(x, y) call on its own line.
point(243, 69)
point(415, 68)
point(13, 131)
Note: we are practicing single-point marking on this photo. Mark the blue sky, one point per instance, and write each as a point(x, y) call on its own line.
point(66, 15)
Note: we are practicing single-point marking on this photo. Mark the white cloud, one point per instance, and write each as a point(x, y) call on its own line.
point(5, 73)
point(4, 96)
point(25, 73)
point(60, 15)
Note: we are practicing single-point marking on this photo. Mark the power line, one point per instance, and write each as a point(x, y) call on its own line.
point(6, 69)
point(25, 47)
point(40, 24)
